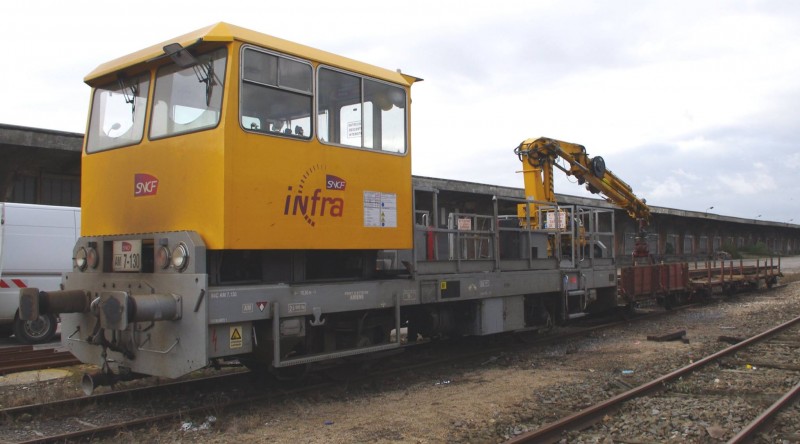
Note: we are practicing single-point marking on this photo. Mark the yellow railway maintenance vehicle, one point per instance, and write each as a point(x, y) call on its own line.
point(245, 197)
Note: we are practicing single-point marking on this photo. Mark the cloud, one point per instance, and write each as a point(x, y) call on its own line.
point(670, 188)
point(793, 161)
point(754, 183)
point(688, 176)
point(681, 98)
point(697, 144)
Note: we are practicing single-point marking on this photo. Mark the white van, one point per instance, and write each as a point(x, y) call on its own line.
point(36, 243)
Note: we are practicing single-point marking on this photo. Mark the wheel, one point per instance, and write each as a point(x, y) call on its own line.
point(547, 321)
point(628, 311)
point(35, 332)
point(728, 290)
point(256, 366)
point(772, 282)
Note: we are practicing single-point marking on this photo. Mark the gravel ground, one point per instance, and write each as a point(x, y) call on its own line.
point(506, 395)
point(515, 393)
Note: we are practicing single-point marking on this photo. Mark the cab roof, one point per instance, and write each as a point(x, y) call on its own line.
point(224, 32)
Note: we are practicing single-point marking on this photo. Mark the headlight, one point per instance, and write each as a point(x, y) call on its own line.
point(91, 258)
point(180, 257)
point(80, 259)
point(162, 257)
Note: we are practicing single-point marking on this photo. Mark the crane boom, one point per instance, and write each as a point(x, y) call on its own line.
point(539, 157)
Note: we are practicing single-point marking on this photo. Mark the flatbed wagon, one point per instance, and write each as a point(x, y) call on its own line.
point(684, 280)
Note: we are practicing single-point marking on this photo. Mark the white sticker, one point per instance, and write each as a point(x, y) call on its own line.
point(380, 209)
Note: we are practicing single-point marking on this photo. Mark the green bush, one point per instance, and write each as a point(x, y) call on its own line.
point(732, 250)
point(759, 249)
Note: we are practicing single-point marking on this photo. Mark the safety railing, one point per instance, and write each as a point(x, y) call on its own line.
point(542, 235)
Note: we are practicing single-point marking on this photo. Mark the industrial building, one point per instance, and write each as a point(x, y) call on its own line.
point(43, 166)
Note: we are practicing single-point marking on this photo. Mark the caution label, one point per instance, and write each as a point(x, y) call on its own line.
point(236, 337)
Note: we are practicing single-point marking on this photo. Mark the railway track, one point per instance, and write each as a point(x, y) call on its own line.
point(88, 416)
point(774, 349)
point(25, 357)
point(58, 421)
point(92, 416)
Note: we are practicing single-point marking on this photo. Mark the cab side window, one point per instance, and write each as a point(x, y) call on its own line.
point(360, 112)
point(276, 94)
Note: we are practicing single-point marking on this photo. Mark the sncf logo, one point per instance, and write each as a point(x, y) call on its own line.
point(144, 185)
point(127, 247)
point(334, 183)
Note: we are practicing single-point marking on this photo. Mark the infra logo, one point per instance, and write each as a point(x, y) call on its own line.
point(308, 198)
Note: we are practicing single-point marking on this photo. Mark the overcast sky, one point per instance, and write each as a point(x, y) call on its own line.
point(693, 103)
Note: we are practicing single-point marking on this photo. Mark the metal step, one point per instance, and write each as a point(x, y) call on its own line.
point(336, 355)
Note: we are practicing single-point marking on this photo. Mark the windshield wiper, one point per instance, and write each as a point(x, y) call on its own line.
point(205, 74)
point(130, 90)
point(204, 71)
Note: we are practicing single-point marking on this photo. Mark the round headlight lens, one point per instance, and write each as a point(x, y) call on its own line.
point(80, 259)
point(180, 257)
point(91, 258)
point(162, 257)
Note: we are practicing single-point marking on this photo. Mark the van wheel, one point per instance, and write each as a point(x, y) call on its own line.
point(35, 332)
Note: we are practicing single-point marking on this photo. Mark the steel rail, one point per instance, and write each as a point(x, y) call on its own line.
point(137, 422)
point(15, 349)
point(41, 364)
point(99, 430)
point(18, 359)
point(749, 431)
point(552, 432)
point(108, 428)
point(71, 404)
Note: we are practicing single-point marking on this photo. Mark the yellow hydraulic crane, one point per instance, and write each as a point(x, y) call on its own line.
point(539, 156)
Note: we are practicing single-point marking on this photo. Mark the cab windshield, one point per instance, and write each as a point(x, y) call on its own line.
point(118, 111)
point(188, 99)
point(185, 100)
